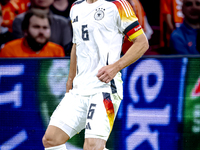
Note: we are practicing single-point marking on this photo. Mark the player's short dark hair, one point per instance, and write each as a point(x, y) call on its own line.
point(34, 12)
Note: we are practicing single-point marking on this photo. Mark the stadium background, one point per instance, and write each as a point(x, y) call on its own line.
point(160, 109)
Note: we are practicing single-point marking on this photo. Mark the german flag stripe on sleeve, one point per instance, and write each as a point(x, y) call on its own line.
point(125, 10)
point(133, 30)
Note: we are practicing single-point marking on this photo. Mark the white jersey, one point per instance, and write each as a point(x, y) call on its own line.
point(98, 30)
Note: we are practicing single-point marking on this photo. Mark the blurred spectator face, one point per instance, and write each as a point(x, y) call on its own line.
point(191, 10)
point(41, 3)
point(39, 29)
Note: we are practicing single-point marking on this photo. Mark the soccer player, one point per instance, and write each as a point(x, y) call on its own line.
point(94, 86)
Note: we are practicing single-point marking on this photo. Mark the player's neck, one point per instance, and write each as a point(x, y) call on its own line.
point(90, 1)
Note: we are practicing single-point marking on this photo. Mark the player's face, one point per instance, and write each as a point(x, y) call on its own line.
point(42, 3)
point(39, 29)
point(191, 9)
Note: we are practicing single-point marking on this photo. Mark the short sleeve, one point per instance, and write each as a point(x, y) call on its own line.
point(127, 21)
point(71, 16)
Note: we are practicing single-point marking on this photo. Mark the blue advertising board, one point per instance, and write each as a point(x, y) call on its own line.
point(150, 111)
point(150, 116)
point(20, 123)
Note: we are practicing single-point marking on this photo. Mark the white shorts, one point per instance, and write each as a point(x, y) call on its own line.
point(95, 113)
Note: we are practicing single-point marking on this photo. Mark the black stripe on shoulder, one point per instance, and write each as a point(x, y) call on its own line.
point(131, 26)
point(78, 2)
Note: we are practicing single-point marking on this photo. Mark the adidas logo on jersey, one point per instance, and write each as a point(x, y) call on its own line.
point(75, 20)
point(88, 126)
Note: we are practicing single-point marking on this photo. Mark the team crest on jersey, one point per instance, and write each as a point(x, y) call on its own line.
point(99, 14)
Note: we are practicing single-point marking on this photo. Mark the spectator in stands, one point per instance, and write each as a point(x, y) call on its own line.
point(171, 17)
point(36, 26)
point(183, 39)
point(61, 7)
point(142, 19)
point(61, 30)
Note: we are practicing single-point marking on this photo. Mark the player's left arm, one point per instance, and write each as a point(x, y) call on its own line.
point(129, 25)
point(138, 48)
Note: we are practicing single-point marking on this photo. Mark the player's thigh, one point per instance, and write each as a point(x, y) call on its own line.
point(70, 115)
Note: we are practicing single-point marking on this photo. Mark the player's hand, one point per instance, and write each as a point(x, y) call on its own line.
point(107, 73)
point(68, 85)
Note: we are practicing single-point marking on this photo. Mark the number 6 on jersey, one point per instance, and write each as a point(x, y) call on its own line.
point(85, 35)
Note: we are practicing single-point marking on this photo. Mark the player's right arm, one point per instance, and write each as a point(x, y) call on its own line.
point(72, 70)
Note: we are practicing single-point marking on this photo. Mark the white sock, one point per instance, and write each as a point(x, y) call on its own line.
point(60, 147)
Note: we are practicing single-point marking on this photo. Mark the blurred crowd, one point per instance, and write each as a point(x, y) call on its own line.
point(35, 28)
point(179, 26)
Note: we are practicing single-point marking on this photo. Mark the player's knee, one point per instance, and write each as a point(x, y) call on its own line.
point(46, 141)
point(54, 136)
point(49, 141)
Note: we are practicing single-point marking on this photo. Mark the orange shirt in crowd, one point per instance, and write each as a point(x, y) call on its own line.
point(173, 7)
point(11, 10)
point(20, 48)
